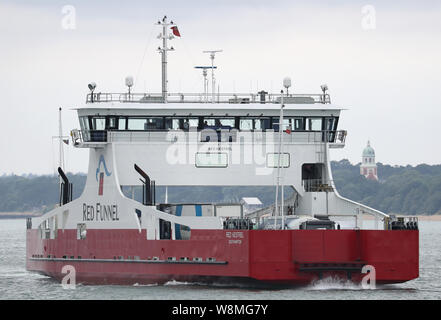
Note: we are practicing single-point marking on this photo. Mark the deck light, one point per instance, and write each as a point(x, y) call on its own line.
point(287, 83)
point(129, 82)
point(92, 86)
point(324, 89)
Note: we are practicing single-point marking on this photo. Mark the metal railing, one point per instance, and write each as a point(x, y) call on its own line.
point(235, 98)
point(316, 185)
point(401, 223)
point(227, 136)
point(238, 224)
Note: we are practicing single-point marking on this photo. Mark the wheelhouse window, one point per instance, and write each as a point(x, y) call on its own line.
point(145, 123)
point(112, 123)
point(227, 122)
point(97, 132)
point(98, 123)
point(243, 123)
point(180, 123)
point(254, 123)
point(190, 123)
point(262, 124)
point(122, 124)
point(246, 124)
point(173, 123)
point(219, 123)
point(295, 124)
point(313, 124)
point(84, 123)
point(331, 123)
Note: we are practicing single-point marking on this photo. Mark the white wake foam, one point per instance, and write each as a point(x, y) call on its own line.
point(334, 283)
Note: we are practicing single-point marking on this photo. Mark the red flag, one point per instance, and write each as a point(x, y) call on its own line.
point(175, 31)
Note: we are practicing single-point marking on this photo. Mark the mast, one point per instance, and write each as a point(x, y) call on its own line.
point(278, 166)
point(61, 139)
point(204, 74)
point(213, 81)
point(60, 147)
point(164, 36)
point(60, 136)
point(286, 84)
point(282, 208)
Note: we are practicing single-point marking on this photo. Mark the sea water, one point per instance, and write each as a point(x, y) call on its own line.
point(17, 283)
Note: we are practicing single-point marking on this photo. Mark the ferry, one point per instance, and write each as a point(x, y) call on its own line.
point(117, 232)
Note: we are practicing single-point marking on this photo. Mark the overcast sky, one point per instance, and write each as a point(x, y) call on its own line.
point(385, 71)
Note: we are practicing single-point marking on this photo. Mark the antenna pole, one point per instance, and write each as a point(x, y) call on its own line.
point(60, 134)
point(213, 81)
point(61, 151)
point(276, 214)
point(204, 73)
point(213, 88)
point(164, 36)
point(281, 169)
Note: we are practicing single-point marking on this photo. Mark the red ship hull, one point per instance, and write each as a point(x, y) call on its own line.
point(288, 257)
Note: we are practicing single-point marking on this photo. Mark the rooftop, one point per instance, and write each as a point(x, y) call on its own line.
point(261, 97)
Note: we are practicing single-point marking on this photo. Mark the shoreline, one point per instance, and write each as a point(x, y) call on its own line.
point(18, 215)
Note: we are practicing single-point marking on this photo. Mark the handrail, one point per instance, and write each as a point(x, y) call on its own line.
point(233, 135)
point(316, 185)
point(234, 98)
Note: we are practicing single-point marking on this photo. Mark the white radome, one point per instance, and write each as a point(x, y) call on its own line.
point(129, 81)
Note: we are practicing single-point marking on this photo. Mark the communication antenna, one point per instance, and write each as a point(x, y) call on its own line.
point(204, 74)
point(62, 139)
point(213, 83)
point(60, 133)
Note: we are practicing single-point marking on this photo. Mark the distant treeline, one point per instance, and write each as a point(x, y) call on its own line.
point(404, 190)
point(33, 192)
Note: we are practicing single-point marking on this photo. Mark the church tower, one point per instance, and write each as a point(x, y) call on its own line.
point(368, 166)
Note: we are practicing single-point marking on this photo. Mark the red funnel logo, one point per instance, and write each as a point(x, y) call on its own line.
point(100, 189)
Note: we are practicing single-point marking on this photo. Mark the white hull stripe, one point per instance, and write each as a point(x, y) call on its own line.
point(130, 261)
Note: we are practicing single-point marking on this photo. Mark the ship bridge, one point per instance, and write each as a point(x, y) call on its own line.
point(216, 144)
point(111, 117)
